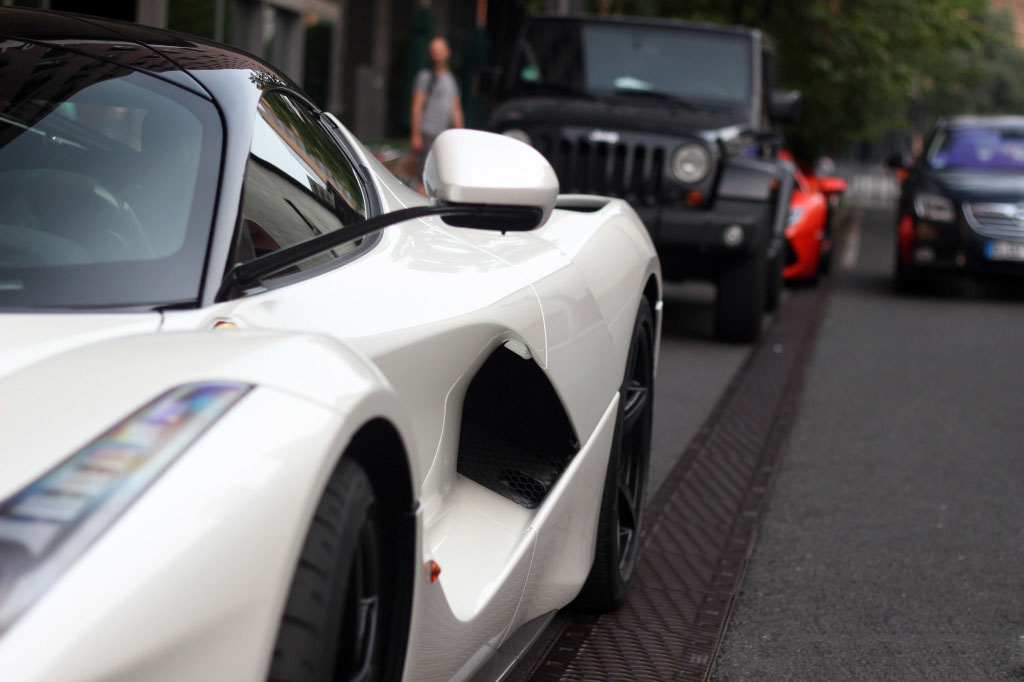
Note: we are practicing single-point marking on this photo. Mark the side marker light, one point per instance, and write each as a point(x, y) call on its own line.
point(733, 236)
point(433, 571)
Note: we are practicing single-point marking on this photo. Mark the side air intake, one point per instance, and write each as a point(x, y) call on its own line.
point(516, 438)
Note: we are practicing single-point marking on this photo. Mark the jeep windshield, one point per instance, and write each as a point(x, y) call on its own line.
point(658, 64)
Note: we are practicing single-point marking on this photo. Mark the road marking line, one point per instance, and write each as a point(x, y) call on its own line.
point(851, 246)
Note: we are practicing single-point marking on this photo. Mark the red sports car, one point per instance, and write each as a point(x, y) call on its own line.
point(808, 229)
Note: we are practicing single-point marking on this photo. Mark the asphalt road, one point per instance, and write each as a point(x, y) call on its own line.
point(892, 547)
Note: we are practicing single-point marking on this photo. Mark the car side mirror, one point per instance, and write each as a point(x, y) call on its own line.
point(785, 106)
point(494, 172)
point(830, 185)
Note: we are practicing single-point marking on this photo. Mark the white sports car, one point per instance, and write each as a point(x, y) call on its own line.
point(265, 413)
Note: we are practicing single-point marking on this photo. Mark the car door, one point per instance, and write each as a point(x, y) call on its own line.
point(424, 304)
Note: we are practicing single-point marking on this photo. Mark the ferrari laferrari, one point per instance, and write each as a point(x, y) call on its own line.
point(269, 414)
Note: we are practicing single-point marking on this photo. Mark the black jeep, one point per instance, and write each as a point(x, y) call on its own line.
point(676, 118)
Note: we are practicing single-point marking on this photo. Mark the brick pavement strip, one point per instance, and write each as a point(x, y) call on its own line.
point(701, 524)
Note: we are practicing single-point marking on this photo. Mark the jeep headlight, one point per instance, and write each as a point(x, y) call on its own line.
point(691, 163)
point(934, 207)
point(49, 524)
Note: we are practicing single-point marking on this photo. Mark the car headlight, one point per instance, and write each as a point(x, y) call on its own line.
point(690, 163)
point(794, 215)
point(934, 207)
point(48, 525)
point(518, 134)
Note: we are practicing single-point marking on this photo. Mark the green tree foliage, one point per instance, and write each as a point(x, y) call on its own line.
point(869, 66)
point(985, 79)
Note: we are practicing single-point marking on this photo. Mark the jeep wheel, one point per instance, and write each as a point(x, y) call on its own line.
point(773, 286)
point(740, 300)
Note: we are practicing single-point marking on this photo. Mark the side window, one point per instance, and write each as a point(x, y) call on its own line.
point(298, 185)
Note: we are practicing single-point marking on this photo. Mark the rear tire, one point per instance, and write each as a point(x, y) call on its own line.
point(333, 625)
point(625, 486)
point(739, 302)
point(825, 261)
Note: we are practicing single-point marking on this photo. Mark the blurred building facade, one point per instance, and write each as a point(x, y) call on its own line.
point(1016, 9)
point(357, 58)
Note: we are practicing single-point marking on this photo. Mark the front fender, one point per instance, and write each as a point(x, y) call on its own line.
point(763, 181)
point(55, 406)
point(208, 550)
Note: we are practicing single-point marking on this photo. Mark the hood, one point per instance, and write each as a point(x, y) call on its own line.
point(619, 114)
point(52, 407)
point(985, 185)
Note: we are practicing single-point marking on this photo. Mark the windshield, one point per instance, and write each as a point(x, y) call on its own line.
point(692, 66)
point(107, 182)
point(978, 148)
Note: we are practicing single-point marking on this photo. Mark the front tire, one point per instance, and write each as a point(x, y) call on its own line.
point(625, 485)
point(906, 278)
point(826, 249)
point(773, 288)
point(333, 624)
point(739, 301)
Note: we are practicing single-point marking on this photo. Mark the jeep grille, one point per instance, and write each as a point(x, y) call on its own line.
point(628, 169)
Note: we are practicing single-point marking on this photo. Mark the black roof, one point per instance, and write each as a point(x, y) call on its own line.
point(988, 121)
point(143, 48)
point(654, 22)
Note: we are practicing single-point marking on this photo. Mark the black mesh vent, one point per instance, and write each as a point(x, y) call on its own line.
point(516, 438)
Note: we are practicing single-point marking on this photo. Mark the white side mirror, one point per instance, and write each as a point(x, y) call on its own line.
point(486, 169)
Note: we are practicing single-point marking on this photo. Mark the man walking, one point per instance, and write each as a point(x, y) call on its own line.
point(435, 104)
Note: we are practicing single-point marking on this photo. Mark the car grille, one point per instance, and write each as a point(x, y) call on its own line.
point(996, 219)
point(632, 169)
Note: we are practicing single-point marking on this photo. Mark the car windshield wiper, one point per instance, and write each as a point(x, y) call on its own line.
point(676, 100)
point(18, 124)
point(504, 218)
point(556, 89)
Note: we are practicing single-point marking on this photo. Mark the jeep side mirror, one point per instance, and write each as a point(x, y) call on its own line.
point(487, 81)
point(474, 168)
point(785, 106)
point(898, 161)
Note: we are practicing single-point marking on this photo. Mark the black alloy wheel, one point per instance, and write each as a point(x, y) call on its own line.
point(332, 628)
point(360, 616)
point(622, 505)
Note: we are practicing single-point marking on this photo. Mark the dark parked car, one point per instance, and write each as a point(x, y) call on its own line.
point(676, 118)
point(961, 206)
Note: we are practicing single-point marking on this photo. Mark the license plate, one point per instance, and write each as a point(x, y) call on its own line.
point(1004, 251)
